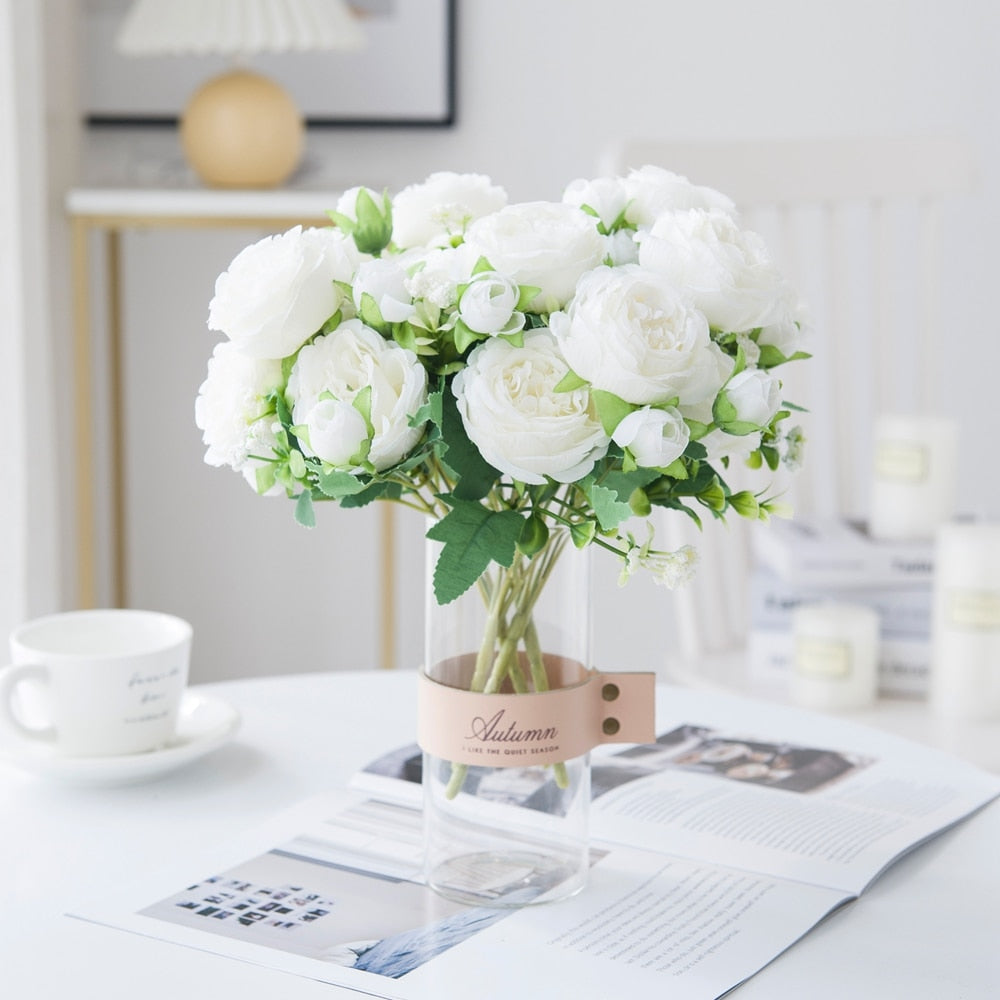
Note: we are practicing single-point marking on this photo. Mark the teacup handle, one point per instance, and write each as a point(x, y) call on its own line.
point(10, 677)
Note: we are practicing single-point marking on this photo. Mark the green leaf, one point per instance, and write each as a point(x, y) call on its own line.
point(526, 294)
point(740, 428)
point(473, 537)
point(297, 464)
point(582, 533)
point(482, 266)
point(741, 360)
point(609, 509)
point(341, 221)
point(464, 337)
point(370, 313)
point(265, 477)
point(475, 476)
point(569, 382)
point(335, 483)
point(515, 339)
point(362, 402)
point(376, 491)
point(374, 226)
point(676, 469)
point(714, 496)
point(624, 483)
point(771, 357)
point(723, 411)
point(430, 410)
point(745, 504)
point(330, 325)
point(304, 513)
point(611, 409)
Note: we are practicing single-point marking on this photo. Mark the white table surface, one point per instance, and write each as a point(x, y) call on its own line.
point(928, 928)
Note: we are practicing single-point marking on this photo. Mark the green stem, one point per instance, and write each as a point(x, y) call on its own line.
point(510, 596)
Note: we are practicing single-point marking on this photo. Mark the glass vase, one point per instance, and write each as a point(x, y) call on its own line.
point(513, 830)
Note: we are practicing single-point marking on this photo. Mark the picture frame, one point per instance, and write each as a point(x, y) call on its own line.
point(404, 76)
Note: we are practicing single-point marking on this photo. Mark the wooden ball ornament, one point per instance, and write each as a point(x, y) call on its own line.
point(242, 130)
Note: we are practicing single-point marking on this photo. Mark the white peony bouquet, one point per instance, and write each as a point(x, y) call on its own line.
point(521, 373)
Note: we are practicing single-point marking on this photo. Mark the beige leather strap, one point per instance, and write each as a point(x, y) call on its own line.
point(515, 730)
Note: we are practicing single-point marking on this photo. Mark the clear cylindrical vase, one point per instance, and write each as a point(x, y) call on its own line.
point(515, 831)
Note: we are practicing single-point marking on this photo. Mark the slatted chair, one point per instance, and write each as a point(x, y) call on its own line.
point(855, 225)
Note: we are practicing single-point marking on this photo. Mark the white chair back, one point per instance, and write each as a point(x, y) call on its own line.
point(854, 224)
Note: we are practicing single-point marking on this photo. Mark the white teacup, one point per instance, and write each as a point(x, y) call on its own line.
point(105, 682)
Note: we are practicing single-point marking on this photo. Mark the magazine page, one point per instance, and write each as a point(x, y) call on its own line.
point(332, 891)
point(792, 794)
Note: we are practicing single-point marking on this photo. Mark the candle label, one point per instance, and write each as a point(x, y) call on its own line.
point(967, 608)
point(901, 461)
point(816, 657)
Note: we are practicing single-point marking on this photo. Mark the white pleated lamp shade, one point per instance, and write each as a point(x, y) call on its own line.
point(238, 27)
point(240, 129)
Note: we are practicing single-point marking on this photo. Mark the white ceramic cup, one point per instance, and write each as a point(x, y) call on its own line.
point(96, 683)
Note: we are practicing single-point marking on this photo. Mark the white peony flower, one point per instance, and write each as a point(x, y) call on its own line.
point(630, 332)
point(607, 196)
point(280, 291)
point(520, 424)
point(727, 270)
point(335, 432)
point(621, 248)
point(651, 191)
point(756, 395)
point(788, 330)
point(435, 274)
point(385, 280)
point(442, 207)
point(489, 304)
point(545, 244)
point(654, 437)
point(340, 365)
point(231, 410)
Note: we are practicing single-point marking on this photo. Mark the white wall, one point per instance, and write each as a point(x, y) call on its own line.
point(543, 86)
point(37, 149)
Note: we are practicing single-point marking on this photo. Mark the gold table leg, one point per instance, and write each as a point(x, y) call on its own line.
point(83, 434)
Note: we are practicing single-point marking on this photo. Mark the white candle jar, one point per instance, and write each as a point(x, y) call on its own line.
point(914, 476)
point(835, 665)
point(965, 626)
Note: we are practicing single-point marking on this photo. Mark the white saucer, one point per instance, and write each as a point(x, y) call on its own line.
point(203, 723)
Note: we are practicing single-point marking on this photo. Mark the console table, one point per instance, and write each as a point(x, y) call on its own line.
point(106, 213)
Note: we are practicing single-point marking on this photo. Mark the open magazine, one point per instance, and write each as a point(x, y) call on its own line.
point(715, 849)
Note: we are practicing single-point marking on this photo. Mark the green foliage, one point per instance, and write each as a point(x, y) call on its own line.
point(304, 513)
point(609, 510)
point(611, 409)
point(569, 382)
point(534, 535)
point(473, 537)
point(336, 484)
point(473, 474)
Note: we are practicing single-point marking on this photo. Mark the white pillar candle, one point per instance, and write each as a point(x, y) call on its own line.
point(914, 474)
point(965, 623)
point(835, 665)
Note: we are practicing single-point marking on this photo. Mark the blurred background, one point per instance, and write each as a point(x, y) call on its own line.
point(535, 93)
